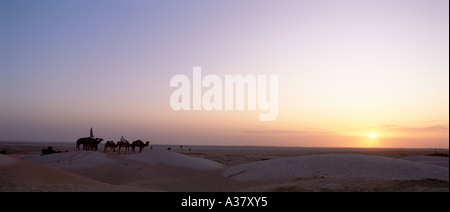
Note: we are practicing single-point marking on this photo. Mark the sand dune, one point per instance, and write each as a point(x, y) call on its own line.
point(90, 159)
point(176, 160)
point(21, 175)
point(16, 173)
point(73, 160)
point(6, 160)
point(336, 166)
point(162, 170)
point(156, 170)
point(434, 160)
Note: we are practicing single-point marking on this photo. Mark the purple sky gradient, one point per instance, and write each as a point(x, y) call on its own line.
point(69, 65)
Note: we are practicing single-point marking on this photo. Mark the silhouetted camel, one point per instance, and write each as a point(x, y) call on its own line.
point(111, 145)
point(88, 143)
point(93, 145)
point(124, 144)
point(139, 144)
point(81, 141)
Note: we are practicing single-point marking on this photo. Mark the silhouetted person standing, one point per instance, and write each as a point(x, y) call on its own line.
point(91, 133)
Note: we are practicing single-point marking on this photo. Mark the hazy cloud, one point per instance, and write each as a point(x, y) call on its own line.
point(434, 128)
point(272, 131)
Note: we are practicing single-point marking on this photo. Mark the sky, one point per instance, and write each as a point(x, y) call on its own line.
point(351, 73)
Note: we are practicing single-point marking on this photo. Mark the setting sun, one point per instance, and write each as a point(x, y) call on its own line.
point(372, 135)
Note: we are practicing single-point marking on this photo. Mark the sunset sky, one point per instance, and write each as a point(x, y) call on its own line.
point(369, 73)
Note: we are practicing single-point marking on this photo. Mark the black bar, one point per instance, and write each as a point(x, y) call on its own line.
point(225, 201)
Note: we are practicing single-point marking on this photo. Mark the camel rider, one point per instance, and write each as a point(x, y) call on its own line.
point(91, 133)
point(122, 139)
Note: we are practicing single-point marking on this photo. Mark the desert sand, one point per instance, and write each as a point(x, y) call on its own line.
point(200, 168)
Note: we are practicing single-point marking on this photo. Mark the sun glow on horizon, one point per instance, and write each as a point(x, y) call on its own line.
point(372, 135)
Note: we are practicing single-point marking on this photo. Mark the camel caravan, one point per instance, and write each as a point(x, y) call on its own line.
point(91, 143)
point(126, 145)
